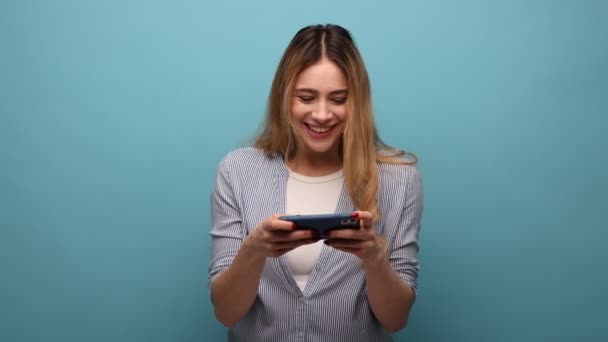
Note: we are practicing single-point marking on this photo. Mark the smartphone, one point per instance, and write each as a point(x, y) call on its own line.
point(323, 223)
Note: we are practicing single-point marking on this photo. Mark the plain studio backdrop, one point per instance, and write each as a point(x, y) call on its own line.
point(114, 115)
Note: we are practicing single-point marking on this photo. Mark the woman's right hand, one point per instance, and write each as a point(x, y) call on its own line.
point(273, 237)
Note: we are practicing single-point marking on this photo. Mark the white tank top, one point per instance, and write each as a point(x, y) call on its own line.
point(305, 196)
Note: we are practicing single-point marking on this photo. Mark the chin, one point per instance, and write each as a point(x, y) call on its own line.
point(323, 146)
point(321, 149)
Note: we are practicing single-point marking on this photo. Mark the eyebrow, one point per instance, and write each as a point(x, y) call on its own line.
point(316, 92)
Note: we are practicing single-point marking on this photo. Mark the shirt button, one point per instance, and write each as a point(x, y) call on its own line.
point(300, 334)
point(302, 300)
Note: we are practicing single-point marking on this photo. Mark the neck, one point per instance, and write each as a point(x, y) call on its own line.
point(315, 164)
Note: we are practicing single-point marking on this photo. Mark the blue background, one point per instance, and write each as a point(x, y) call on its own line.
point(114, 115)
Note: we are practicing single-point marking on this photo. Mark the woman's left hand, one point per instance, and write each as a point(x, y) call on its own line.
point(363, 242)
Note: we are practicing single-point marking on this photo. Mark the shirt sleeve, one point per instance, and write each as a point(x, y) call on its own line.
point(403, 255)
point(227, 228)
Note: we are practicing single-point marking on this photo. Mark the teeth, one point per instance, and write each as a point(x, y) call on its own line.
point(319, 129)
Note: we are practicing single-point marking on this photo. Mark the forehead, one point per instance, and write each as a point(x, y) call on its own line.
point(324, 75)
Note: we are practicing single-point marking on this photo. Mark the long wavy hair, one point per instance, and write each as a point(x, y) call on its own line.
point(361, 148)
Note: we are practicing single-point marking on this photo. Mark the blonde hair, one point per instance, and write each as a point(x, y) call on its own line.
point(360, 143)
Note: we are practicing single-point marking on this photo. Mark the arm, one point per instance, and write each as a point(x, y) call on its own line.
point(234, 291)
point(390, 277)
point(390, 298)
point(238, 259)
point(391, 282)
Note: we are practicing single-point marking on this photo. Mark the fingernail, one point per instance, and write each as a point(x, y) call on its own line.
point(354, 215)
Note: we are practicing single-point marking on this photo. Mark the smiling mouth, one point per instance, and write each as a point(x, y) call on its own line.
point(316, 130)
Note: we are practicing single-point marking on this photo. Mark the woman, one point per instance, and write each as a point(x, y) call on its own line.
point(319, 152)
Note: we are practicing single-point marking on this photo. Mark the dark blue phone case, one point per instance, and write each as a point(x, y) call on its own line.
point(323, 223)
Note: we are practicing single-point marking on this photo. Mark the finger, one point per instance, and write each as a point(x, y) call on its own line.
point(344, 243)
point(284, 236)
point(353, 234)
point(275, 224)
point(292, 244)
point(282, 250)
point(364, 216)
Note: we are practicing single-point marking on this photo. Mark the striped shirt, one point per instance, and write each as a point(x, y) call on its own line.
point(250, 187)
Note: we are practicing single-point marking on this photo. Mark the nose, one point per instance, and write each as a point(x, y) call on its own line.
point(322, 114)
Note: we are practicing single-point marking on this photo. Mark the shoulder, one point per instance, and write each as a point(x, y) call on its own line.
point(244, 154)
point(246, 160)
point(400, 185)
point(400, 173)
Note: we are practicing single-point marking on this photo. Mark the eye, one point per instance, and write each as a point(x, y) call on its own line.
point(306, 99)
point(339, 100)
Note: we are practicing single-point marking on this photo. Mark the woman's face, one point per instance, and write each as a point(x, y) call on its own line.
point(318, 108)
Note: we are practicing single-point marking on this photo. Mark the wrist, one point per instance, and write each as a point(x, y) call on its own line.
point(374, 262)
point(381, 253)
point(251, 251)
